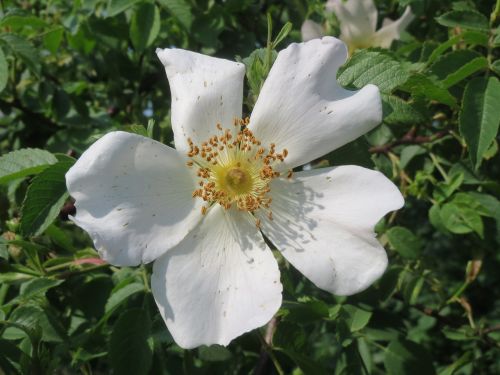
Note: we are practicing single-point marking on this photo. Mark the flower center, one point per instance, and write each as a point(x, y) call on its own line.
point(235, 169)
point(238, 181)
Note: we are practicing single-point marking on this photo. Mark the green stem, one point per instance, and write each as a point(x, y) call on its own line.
point(269, 47)
point(144, 274)
point(495, 13)
point(438, 166)
point(276, 363)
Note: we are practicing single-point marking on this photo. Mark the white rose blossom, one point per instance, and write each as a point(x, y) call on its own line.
point(358, 24)
point(200, 211)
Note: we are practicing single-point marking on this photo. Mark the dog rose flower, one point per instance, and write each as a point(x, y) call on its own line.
point(200, 211)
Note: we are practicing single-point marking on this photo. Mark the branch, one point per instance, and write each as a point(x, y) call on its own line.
point(16, 103)
point(409, 138)
point(261, 367)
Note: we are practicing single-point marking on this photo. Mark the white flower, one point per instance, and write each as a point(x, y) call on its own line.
point(311, 30)
point(201, 210)
point(358, 24)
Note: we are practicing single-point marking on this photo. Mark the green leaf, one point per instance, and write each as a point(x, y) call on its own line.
point(117, 6)
point(129, 351)
point(4, 71)
point(407, 357)
point(480, 116)
point(306, 364)
point(307, 310)
point(17, 18)
point(479, 63)
point(38, 286)
point(405, 242)
point(145, 26)
point(420, 85)
point(24, 50)
point(44, 198)
point(121, 295)
point(137, 129)
point(495, 66)
point(461, 220)
point(285, 30)
point(53, 39)
point(466, 358)
point(444, 190)
point(38, 321)
point(24, 162)
point(214, 353)
point(355, 318)
point(409, 153)
point(452, 62)
point(457, 65)
point(464, 333)
point(467, 19)
point(399, 112)
point(373, 67)
point(289, 336)
point(180, 9)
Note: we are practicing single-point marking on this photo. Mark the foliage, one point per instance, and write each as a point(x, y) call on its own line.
point(72, 71)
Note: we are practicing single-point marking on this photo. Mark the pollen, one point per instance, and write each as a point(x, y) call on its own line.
point(235, 169)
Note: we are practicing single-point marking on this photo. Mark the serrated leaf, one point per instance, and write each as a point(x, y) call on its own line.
point(38, 321)
point(480, 116)
point(180, 9)
point(467, 19)
point(129, 351)
point(407, 357)
point(24, 162)
point(117, 6)
point(451, 62)
point(37, 286)
point(457, 65)
point(398, 111)
point(373, 67)
point(24, 50)
point(479, 63)
point(420, 86)
point(4, 71)
point(44, 198)
point(145, 26)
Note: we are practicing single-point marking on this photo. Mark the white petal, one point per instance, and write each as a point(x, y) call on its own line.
point(219, 283)
point(311, 30)
point(323, 223)
point(133, 196)
point(302, 108)
point(205, 91)
point(358, 19)
point(392, 30)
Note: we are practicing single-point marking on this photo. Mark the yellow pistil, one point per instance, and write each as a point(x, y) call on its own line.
point(235, 169)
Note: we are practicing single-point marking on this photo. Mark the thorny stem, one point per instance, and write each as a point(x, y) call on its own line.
point(409, 138)
point(68, 274)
